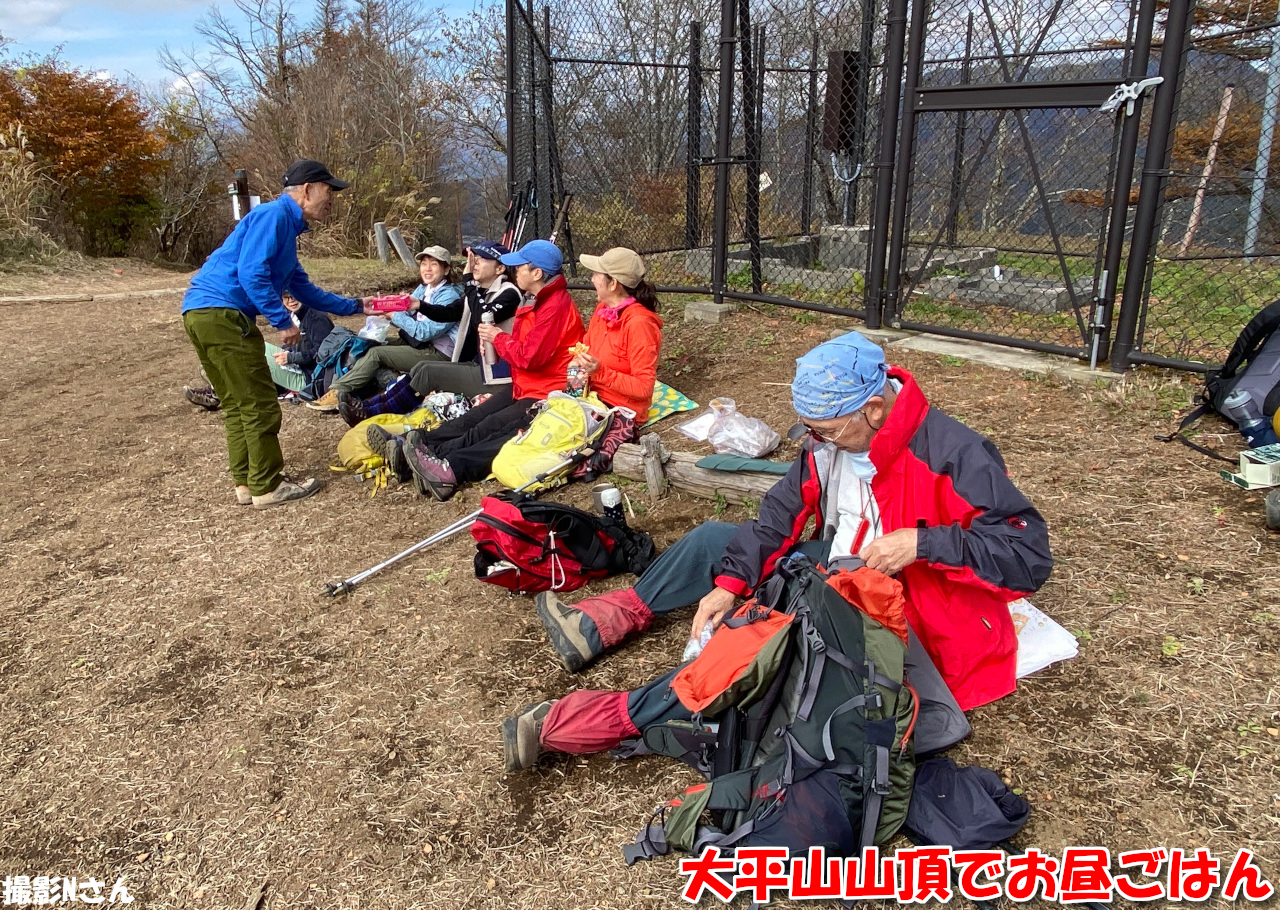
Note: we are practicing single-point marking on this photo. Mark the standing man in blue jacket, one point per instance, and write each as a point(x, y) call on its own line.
point(243, 279)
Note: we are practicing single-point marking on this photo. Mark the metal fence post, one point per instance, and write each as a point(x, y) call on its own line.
point(810, 127)
point(895, 48)
point(1155, 176)
point(957, 158)
point(1262, 163)
point(693, 142)
point(906, 144)
point(1104, 305)
point(751, 140)
point(533, 121)
point(866, 39)
point(724, 150)
point(511, 98)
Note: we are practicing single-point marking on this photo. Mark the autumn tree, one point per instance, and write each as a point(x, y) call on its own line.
point(91, 136)
point(352, 86)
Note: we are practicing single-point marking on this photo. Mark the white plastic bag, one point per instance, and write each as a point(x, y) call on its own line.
point(1041, 641)
point(735, 434)
point(375, 329)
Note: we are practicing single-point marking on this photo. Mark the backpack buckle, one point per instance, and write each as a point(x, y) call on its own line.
point(815, 640)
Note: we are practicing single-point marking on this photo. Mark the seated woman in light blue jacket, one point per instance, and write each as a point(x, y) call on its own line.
point(420, 338)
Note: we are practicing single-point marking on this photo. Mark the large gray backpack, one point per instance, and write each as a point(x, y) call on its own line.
point(1253, 366)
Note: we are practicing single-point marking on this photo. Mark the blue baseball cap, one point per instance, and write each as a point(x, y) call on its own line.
point(488, 249)
point(541, 254)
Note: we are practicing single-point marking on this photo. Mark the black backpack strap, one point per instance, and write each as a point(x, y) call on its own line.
point(1251, 339)
point(1187, 421)
point(881, 785)
point(650, 842)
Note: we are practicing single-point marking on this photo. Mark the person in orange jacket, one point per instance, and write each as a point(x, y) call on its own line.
point(538, 348)
point(624, 336)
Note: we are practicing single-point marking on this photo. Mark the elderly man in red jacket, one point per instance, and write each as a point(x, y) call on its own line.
point(538, 348)
point(886, 478)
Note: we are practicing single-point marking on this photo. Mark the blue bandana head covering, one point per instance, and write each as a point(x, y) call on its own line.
point(838, 377)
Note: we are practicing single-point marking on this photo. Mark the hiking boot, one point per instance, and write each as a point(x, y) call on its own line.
point(350, 408)
point(433, 474)
point(203, 397)
point(288, 491)
point(572, 633)
point(243, 496)
point(520, 737)
point(391, 448)
point(328, 402)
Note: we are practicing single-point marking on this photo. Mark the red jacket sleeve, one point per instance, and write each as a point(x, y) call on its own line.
point(541, 343)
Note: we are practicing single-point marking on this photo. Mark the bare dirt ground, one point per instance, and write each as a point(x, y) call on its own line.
point(182, 709)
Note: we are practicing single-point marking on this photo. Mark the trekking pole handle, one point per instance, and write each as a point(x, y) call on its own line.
point(560, 217)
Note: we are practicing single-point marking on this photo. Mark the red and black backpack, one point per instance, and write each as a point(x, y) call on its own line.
point(527, 546)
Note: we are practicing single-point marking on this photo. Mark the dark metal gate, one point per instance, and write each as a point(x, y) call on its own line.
point(1005, 222)
point(989, 169)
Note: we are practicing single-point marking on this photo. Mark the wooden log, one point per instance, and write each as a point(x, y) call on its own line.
point(384, 245)
point(682, 473)
point(397, 241)
point(651, 456)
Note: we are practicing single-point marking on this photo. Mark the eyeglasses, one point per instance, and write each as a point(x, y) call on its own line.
point(819, 436)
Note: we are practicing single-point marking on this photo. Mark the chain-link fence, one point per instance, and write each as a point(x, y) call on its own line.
point(1010, 188)
point(952, 167)
point(1215, 259)
point(634, 133)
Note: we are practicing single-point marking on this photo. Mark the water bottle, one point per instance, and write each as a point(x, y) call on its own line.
point(1255, 428)
point(611, 505)
point(490, 352)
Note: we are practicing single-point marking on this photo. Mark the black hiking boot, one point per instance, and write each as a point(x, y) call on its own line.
point(572, 633)
point(521, 734)
point(350, 408)
point(390, 447)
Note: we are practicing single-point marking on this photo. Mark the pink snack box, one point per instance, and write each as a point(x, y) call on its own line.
point(391, 303)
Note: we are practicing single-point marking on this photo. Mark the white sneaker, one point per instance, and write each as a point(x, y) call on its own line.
point(243, 496)
point(288, 491)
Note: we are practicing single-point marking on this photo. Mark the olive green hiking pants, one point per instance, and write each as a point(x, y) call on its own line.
point(233, 354)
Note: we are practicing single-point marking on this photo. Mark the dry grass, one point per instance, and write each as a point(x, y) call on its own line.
point(182, 708)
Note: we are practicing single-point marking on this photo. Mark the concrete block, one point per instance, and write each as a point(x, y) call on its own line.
point(707, 311)
point(1007, 358)
point(842, 247)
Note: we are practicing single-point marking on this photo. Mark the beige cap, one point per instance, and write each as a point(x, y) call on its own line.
point(436, 252)
point(621, 264)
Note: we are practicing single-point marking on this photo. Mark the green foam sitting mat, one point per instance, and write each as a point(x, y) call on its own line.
point(742, 463)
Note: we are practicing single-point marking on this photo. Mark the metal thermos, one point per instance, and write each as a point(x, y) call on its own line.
point(490, 352)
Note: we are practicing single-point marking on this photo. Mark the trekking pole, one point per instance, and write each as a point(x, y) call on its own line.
point(560, 217)
point(346, 586)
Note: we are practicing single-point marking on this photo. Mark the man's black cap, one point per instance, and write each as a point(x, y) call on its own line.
point(304, 170)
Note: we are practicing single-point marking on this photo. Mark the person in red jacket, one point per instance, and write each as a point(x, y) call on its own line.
point(624, 336)
point(889, 480)
point(538, 349)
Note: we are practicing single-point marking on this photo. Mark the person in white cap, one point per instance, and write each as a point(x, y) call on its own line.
point(421, 337)
point(624, 336)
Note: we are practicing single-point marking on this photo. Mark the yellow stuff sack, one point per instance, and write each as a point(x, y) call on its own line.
point(564, 424)
point(354, 454)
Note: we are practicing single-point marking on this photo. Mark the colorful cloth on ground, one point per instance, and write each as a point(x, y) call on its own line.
point(667, 401)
